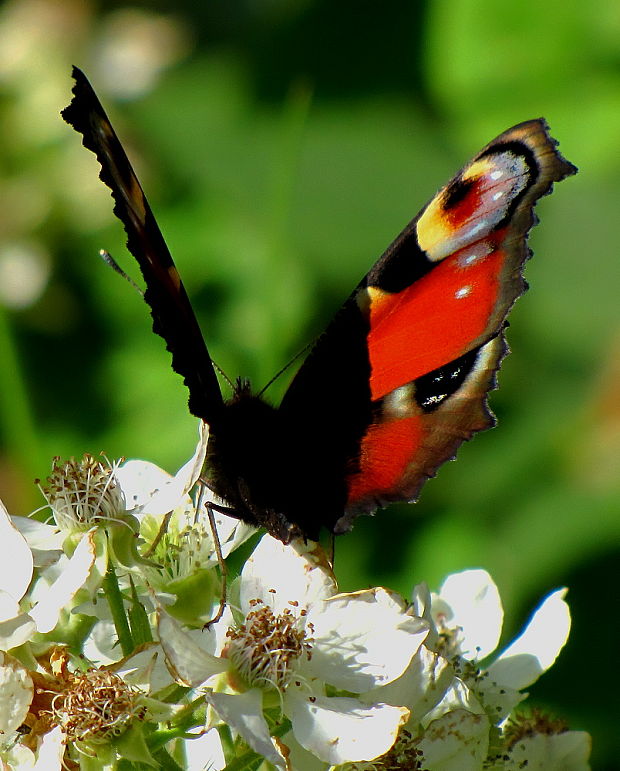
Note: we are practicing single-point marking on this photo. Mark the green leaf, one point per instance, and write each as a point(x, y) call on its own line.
point(131, 745)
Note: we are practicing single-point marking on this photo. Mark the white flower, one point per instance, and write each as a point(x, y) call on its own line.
point(45, 541)
point(53, 591)
point(297, 645)
point(176, 565)
point(459, 703)
point(467, 614)
point(181, 553)
point(467, 618)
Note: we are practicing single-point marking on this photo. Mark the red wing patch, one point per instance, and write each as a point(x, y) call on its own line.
point(415, 433)
point(450, 306)
point(435, 341)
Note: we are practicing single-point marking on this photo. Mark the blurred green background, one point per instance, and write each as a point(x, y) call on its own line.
point(282, 146)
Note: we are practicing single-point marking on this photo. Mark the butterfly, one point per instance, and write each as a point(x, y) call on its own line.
point(398, 380)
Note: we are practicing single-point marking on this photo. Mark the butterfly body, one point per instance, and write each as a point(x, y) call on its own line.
point(399, 378)
point(256, 465)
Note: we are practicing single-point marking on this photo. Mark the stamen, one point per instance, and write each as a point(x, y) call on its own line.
point(266, 648)
point(449, 638)
point(82, 493)
point(96, 706)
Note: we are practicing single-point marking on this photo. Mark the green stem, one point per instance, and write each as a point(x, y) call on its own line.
point(187, 713)
point(115, 601)
point(183, 721)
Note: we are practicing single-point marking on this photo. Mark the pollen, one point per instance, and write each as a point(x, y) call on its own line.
point(95, 706)
point(266, 649)
point(449, 638)
point(83, 492)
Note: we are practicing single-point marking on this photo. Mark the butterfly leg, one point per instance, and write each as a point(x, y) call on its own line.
point(211, 507)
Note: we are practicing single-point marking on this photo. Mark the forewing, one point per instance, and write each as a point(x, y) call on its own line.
point(173, 317)
point(415, 349)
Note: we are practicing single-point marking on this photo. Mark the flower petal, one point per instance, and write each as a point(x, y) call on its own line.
point(153, 490)
point(187, 475)
point(457, 741)
point(141, 481)
point(363, 640)
point(189, 662)
point(343, 730)
point(45, 541)
point(458, 697)
point(421, 686)
point(16, 631)
point(18, 758)
point(531, 654)
point(298, 757)
point(569, 751)
point(16, 692)
point(101, 646)
point(53, 599)
point(470, 601)
point(144, 668)
point(244, 713)
point(499, 700)
point(16, 562)
point(205, 751)
point(280, 574)
point(421, 606)
point(9, 606)
point(51, 751)
point(230, 531)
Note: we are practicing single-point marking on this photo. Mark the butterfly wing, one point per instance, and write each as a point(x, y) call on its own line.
point(399, 379)
point(173, 317)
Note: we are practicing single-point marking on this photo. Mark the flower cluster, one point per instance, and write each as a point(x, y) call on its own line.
point(108, 656)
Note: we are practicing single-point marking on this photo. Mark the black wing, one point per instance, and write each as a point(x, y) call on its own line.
point(173, 317)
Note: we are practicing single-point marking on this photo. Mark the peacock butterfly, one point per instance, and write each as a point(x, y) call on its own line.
point(400, 377)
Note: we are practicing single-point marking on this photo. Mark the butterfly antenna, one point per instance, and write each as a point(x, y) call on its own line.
point(223, 374)
point(109, 260)
point(280, 372)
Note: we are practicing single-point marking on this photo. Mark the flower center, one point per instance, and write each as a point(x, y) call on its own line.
point(81, 493)
point(95, 706)
point(449, 638)
point(267, 647)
